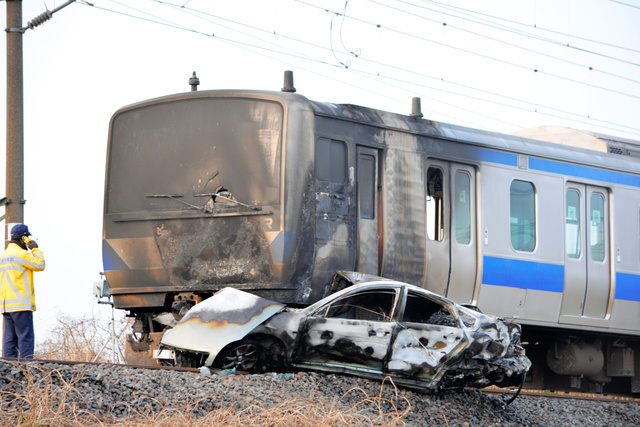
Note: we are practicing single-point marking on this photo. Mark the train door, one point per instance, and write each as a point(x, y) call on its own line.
point(368, 213)
point(451, 264)
point(587, 263)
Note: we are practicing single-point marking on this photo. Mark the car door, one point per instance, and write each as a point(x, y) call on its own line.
point(351, 332)
point(427, 339)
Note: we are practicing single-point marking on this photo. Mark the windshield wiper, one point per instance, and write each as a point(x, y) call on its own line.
point(209, 206)
point(228, 197)
point(176, 197)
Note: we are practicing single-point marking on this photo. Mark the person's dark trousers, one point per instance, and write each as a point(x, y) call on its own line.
point(19, 339)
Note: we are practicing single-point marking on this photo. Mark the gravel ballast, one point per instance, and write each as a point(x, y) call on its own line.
point(100, 393)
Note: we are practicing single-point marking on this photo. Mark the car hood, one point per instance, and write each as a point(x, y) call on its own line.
point(228, 316)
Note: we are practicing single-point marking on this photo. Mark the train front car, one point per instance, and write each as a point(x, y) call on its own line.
point(271, 193)
point(195, 201)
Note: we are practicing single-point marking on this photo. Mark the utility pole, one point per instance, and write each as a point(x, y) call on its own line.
point(14, 199)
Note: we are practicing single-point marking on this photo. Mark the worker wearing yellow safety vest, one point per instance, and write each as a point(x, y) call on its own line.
point(17, 293)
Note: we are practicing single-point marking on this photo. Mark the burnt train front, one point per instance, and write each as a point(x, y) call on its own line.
point(195, 200)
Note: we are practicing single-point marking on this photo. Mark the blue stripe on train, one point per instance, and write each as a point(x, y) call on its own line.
point(554, 166)
point(627, 287)
point(539, 276)
point(516, 273)
point(493, 156)
point(586, 172)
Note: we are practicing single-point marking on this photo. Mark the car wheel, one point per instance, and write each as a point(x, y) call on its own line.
point(242, 356)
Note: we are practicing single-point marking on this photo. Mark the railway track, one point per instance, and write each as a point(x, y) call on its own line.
point(64, 392)
point(566, 395)
point(77, 362)
point(490, 390)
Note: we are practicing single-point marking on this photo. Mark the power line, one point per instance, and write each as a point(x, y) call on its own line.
point(363, 73)
point(507, 29)
point(535, 109)
point(412, 72)
point(368, 75)
point(183, 9)
point(522, 67)
point(473, 12)
point(299, 56)
point(248, 47)
point(169, 23)
point(177, 27)
point(625, 4)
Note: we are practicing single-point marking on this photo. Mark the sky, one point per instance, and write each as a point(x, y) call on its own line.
point(497, 65)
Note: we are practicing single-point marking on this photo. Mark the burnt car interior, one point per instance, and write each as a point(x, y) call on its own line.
point(374, 306)
point(423, 310)
point(377, 306)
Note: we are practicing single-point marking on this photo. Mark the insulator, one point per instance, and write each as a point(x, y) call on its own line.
point(40, 19)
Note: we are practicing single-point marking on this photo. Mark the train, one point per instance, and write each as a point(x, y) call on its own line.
point(272, 193)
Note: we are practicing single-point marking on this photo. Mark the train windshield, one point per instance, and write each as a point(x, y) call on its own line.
point(173, 155)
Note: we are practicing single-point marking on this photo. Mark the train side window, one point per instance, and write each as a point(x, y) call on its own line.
point(523, 216)
point(367, 186)
point(435, 204)
point(572, 224)
point(597, 227)
point(462, 207)
point(331, 160)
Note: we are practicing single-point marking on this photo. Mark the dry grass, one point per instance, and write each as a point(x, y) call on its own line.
point(37, 396)
point(81, 339)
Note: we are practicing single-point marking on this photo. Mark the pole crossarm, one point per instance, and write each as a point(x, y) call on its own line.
point(40, 19)
point(6, 201)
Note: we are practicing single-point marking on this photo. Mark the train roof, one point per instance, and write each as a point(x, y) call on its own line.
point(607, 151)
point(620, 153)
point(583, 139)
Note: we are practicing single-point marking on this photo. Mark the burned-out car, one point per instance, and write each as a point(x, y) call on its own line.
point(374, 328)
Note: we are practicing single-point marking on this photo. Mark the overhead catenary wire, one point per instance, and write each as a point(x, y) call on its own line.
point(439, 79)
point(248, 47)
point(157, 1)
point(529, 104)
point(164, 21)
point(491, 22)
point(310, 57)
point(521, 33)
point(493, 102)
point(481, 55)
point(625, 4)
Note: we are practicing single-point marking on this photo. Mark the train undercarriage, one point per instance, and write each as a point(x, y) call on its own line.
point(564, 360)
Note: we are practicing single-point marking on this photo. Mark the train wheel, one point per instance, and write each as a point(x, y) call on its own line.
point(243, 356)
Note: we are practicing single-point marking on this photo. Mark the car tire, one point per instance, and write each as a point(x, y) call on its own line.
point(245, 355)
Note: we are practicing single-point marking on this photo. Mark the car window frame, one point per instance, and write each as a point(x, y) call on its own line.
point(449, 305)
point(350, 292)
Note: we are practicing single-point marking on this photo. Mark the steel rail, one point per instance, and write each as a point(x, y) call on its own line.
point(566, 395)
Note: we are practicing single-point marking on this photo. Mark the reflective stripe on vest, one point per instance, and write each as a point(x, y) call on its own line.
point(21, 302)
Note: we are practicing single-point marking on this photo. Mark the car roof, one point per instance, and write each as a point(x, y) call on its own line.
point(364, 281)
